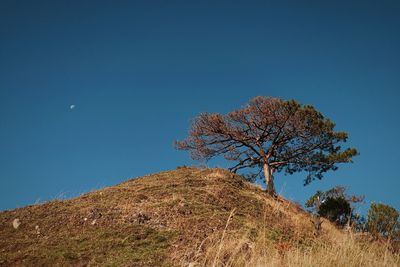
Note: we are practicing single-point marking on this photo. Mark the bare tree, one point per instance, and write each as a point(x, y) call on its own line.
point(270, 135)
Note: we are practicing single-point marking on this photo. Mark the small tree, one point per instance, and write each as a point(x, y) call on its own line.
point(383, 220)
point(335, 205)
point(270, 135)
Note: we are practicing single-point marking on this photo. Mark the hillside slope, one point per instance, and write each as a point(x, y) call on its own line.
point(188, 216)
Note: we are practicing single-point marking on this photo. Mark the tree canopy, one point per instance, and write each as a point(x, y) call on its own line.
point(270, 135)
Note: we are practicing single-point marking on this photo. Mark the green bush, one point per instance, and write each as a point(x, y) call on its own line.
point(336, 210)
point(383, 220)
point(335, 205)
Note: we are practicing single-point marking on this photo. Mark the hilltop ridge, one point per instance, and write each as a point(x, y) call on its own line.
point(185, 217)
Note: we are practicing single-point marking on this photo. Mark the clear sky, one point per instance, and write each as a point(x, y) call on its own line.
point(138, 71)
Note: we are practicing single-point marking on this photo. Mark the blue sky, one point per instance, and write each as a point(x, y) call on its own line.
point(138, 71)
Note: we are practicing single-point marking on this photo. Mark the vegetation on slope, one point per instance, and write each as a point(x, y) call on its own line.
point(185, 217)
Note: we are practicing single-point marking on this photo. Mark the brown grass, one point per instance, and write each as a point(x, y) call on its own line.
point(345, 249)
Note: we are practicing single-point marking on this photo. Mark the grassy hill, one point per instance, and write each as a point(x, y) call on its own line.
point(186, 217)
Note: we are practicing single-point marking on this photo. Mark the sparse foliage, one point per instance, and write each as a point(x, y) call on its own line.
point(270, 135)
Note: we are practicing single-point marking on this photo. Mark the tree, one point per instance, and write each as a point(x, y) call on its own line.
point(383, 220)
point(335, 205)
point(270, 135)
point(336, 210)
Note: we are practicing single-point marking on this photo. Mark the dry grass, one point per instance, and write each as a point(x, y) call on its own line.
point(240, 251)
point(185, 217)
point(270, 249)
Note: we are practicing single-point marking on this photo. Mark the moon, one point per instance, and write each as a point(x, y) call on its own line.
point(72, 107)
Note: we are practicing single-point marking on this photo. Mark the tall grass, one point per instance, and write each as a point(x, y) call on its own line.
point(230, 248)
point(240, 251)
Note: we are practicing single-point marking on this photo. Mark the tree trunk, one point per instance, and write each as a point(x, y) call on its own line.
point(348, 226)
point(269, 180)
point(317, 218)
